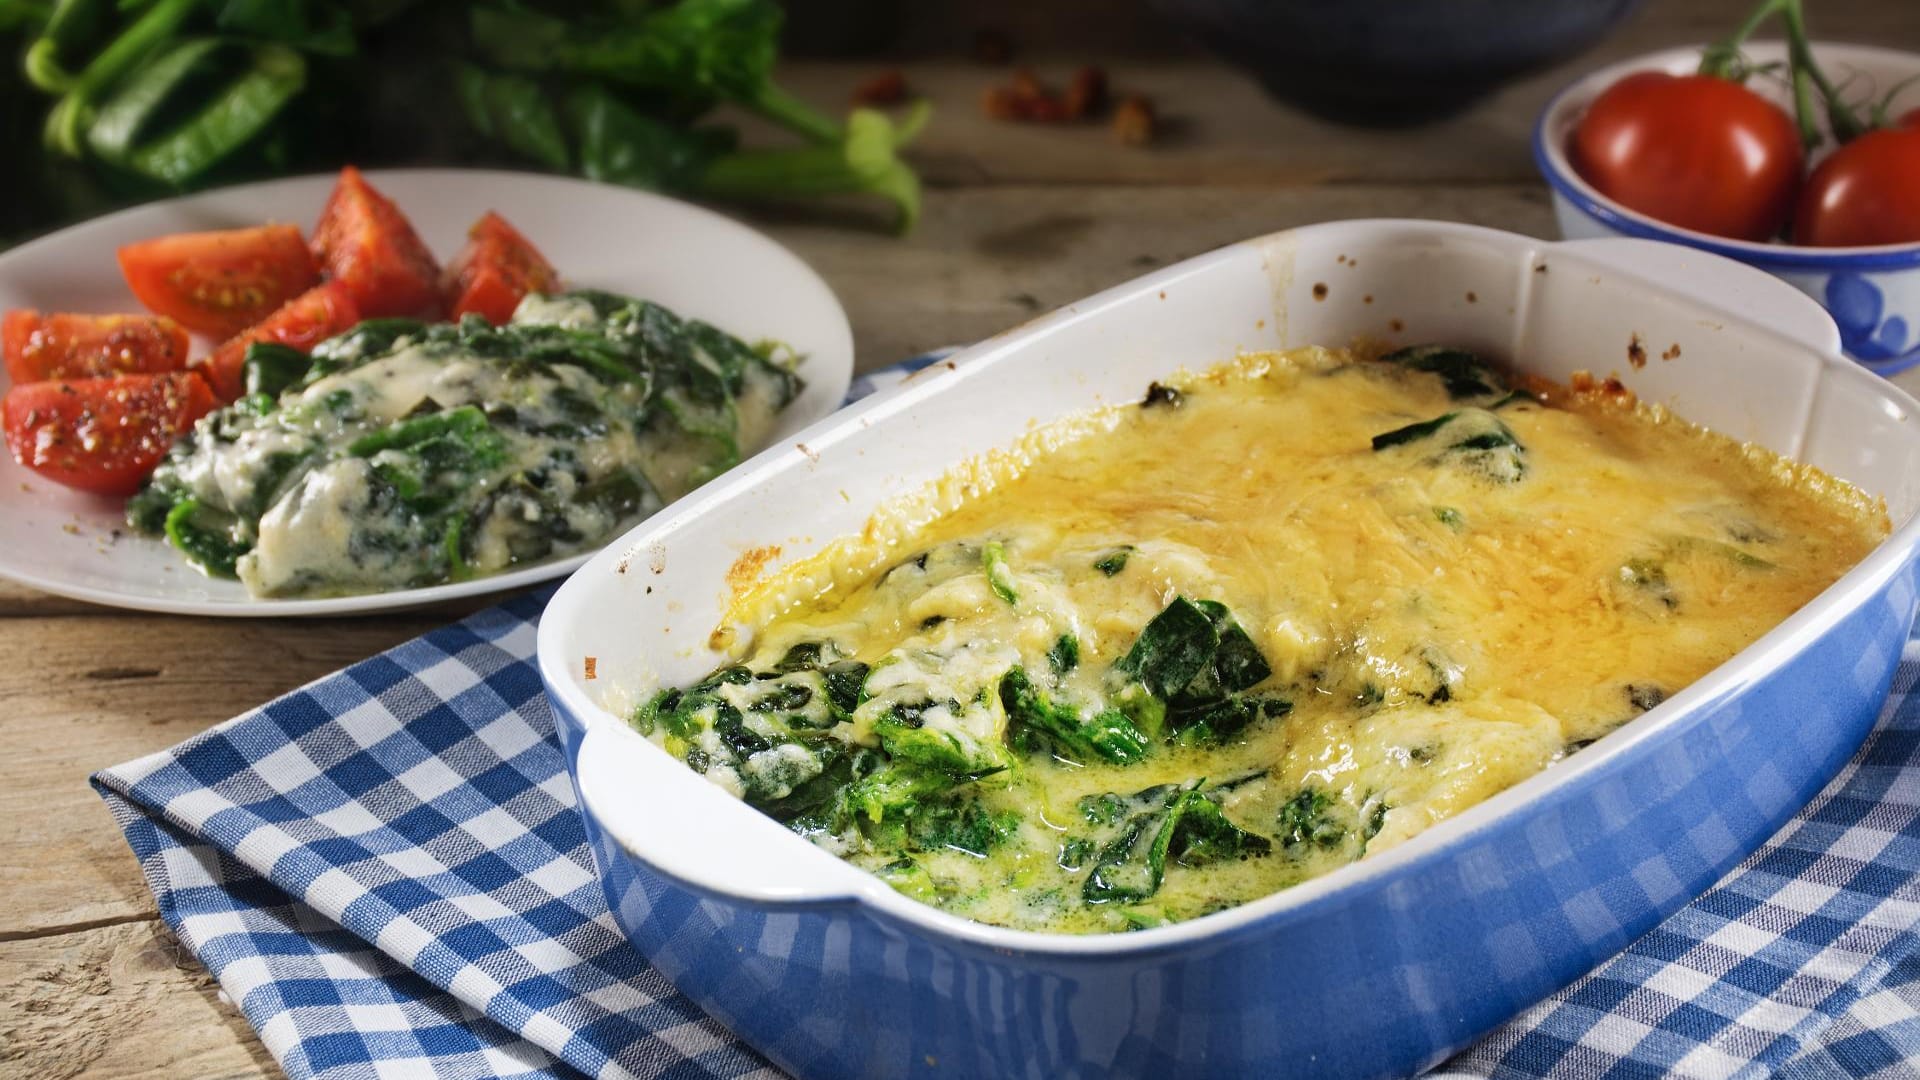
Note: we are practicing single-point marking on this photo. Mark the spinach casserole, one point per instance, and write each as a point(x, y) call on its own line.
point(1174, 656)
point(403, 453)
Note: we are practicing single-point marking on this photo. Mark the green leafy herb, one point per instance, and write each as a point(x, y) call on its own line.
point(693, 54)
point(1196, 659)
point(1206, 836)
point(1131, 866)
point(517, 111)
point(1237, 662)
point(1414, 432)
point(909, 878)
point(156, 95)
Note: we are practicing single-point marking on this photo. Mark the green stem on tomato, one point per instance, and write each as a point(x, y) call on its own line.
point(1722, 60)
point(1879, 117)
point(1803, 108)
point(1840, 118)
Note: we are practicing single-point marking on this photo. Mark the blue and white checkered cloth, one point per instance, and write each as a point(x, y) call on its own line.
point(385, 872)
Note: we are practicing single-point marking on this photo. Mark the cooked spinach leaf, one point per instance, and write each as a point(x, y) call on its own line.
point(1196, 659)
point(1107, 735)
point(1473, 439)
point(1065, 654)
point(1173, 649)
point(999, 575)
point(1309, 818)
point(420, 453)
point(1206, 836)
point(1131, 866)
point(271, 368)
point(1114, 561)
point(1466, 376)
point(1181, 821)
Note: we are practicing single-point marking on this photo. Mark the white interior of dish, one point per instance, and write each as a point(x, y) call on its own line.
point(1752, 358)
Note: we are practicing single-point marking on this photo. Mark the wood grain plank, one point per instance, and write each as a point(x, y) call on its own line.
point(83, 693)
point(120, 1001)
point(985, 259)
point(1221, 127)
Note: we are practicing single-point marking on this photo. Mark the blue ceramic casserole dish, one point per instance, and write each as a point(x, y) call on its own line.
point(1378, 969)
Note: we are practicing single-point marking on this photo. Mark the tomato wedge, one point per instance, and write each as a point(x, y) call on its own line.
point(364, 242)
point(495, 270)
point(305, 321)
point(102, 435)
point(61, 346)
point(220, 283)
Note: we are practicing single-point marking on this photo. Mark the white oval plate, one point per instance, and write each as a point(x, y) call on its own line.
point(691, 260)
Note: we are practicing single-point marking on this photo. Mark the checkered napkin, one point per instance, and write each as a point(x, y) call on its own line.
point(385, 872)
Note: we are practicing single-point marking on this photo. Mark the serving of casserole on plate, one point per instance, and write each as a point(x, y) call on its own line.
point(1375, 690)
point(488, 458)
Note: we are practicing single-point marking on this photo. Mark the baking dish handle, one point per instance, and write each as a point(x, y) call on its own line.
point(689, 829)
point(1734, 287)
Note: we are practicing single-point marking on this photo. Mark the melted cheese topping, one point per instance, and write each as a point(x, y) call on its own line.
point(1440, 628)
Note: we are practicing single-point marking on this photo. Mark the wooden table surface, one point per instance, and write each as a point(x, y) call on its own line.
point(1018, 220)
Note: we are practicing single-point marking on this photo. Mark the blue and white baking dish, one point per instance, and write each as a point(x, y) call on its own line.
point(1380, 968)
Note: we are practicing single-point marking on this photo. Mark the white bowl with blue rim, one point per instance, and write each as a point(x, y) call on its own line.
point(1873, 293)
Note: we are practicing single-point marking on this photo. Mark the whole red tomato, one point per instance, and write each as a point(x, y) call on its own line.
point(1696, 151)
point(1866, 192)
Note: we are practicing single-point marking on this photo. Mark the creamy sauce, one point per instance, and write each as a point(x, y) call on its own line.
point(1435, 619)
point(558, 456)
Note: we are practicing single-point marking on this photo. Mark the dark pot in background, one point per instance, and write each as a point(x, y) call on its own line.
point(1392, 62)
point(839, 28)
